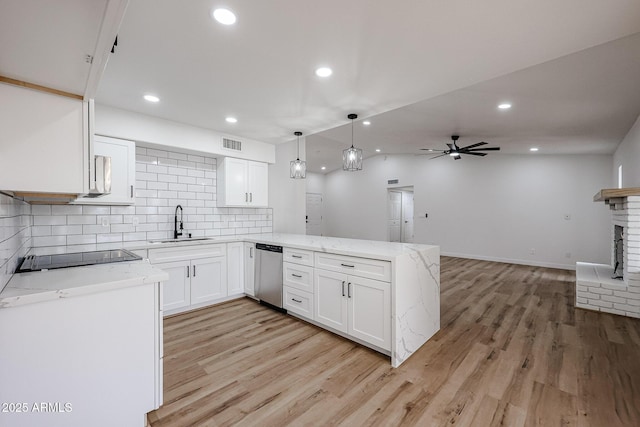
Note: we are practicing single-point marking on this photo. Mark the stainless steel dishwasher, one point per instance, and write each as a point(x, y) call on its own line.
point(268, 275)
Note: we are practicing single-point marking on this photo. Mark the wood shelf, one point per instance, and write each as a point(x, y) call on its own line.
point(605, 195)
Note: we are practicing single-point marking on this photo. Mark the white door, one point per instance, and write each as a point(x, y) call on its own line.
point(235, 176)
point(407, 217)
point(330, 299)
point(370, 311)
point(235, 268)
point(208, 279)
point(249, 265)
point(395, 215)
point(176, 290)
point(258, 183)
point(314, 214)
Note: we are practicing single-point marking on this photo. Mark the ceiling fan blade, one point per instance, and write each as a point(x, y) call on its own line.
point(437, 156)
point(486, 149)
point(474, 154)
point(433, 149)
point(473, 145)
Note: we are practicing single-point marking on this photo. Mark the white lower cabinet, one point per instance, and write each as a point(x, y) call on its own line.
point(197, 276)
point(249, 268)
point(354, 305)
point(208, 279)
point(176, 290)
point(297, 301)
point(235, 268)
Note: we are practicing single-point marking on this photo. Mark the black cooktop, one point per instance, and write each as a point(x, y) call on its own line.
point(77, 259)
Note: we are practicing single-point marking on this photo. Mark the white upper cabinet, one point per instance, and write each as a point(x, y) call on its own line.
point(242, 183)
point(43, 142)
point(123, 171)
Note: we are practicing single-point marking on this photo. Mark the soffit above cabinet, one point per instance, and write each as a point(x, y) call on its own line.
point(48, 42)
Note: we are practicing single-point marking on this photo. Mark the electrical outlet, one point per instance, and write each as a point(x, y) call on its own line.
point(532, 251)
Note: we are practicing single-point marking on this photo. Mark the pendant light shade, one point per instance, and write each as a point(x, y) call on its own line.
point(298, 168)
point(352, 157)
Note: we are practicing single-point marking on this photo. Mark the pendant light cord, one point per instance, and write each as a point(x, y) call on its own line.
point(351, 133)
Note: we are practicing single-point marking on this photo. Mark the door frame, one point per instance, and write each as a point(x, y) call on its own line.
point(402, 189)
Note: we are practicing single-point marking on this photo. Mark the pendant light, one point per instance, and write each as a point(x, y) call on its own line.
point(352, 157)
point(298, 168)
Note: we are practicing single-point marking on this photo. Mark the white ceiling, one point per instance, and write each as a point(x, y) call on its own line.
point(385, 55)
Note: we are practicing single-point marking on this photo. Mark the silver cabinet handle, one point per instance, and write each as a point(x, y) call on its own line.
point(251, 252)
point(251, 197)
point(246, 197)
point(187, 271)
point(296, 256)
point(343, 282)
point(194, 271)
point(132, 191)
point(293, 299)
point(347, 265)
point(349, 290)
point(296, 275)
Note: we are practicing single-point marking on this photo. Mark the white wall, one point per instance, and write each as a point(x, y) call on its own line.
point(628, 155)
point(315, 183)
point(287, 196)
point(498, 207)
point(138, 127)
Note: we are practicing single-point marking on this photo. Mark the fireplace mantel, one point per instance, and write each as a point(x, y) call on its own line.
point(606, 195)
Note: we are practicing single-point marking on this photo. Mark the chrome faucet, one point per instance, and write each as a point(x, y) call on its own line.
point(175, 223)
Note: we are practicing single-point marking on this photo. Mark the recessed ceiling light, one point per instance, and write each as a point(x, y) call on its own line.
point(533, 149)
point(323, 168)
point(378, 150)
point(151, 98)
point(366, 123)
point(324, 72)
point(231, 120)
point(224, 16)
point(504, 106)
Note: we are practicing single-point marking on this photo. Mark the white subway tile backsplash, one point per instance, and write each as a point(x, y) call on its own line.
point(164, 179)
point(63, 230)
point(50, 220)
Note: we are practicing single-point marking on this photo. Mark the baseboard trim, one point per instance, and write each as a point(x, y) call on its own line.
point(512, 261)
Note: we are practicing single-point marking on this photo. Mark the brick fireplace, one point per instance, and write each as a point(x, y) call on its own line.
point(598, 287)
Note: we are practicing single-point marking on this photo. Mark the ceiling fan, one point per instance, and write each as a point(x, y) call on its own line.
point(455, 151)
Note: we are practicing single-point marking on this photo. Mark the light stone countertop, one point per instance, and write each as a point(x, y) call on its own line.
point(39, 286)
point(387, 251)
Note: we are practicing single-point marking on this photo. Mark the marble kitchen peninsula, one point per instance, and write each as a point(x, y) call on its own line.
point(415, 282)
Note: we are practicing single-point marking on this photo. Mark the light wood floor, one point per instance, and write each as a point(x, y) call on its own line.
point(512, 351)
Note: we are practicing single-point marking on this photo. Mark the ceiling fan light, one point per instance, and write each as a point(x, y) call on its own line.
point(453, 154)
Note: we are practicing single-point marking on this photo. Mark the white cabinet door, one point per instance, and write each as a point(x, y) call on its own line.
point(176, 290)
point(232, 180)
point(208, 279)
point(369, 311)
point(242, 183)
point(249, 266)
point(258, 183)
point(235, 268)
point(43, 145)
point(330, 302)
point(123, 171)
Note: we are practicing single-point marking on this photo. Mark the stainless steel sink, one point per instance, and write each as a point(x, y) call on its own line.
point(197, 239)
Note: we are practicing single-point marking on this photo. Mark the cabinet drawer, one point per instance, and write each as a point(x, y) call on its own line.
point(297, 301)
point(363, 267)
point(186, 253)
point(297, 276)
point(298, 256)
